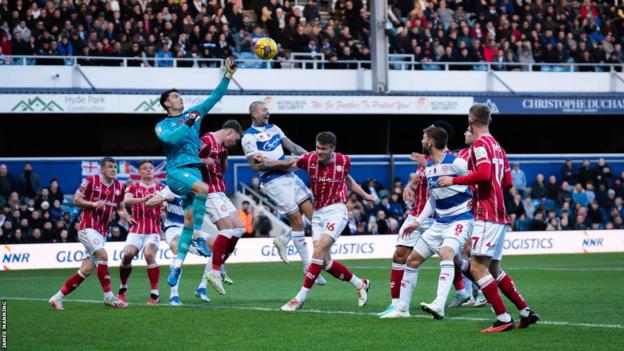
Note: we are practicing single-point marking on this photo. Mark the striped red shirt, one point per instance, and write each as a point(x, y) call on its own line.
point(464, 154)
point(148, 219)
point(489, 204)
point(214, 156)
point(327, 181)
point(420, 193)
point(94, 189)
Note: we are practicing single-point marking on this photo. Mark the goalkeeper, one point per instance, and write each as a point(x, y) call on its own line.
point(179, 133)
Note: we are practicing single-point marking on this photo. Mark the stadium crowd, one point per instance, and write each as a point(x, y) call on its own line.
point(581, 197)
point(157, 31)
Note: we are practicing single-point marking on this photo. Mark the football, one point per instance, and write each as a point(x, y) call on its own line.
point(266, 48)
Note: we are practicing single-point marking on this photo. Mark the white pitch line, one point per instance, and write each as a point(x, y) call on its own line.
point(316, 311)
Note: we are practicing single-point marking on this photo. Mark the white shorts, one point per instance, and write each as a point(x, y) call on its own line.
point(330, 220)
point(411, 239)
point(218, 206)
point(172, 232)
point(453, 234)
point(287, 191)
point(92, 241)
point(488, 239)
point(140, 241)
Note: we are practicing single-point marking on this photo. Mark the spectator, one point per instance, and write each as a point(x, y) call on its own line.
point(4, 238)
point(579, 196)
point(529, 207)
point(19, 237)
point(29, 182)
point(55, 191)
point(246, 217)
point(602, 173)
point(164, 57)
point(552, 188)
point(568, 172)
point(518, 178)
point(372, 187)
point(37, 237)
point(7, 183)
point(538, 223)
point(538, 190)
point(383, 223)
point(594, 215)
point(63, 236)
point(585, 173)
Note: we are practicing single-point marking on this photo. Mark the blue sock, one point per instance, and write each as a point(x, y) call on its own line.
point(199, 210)
point(467, 285)
point(184, 242)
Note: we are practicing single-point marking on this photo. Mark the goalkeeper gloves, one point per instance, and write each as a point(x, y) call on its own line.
point(230, 67)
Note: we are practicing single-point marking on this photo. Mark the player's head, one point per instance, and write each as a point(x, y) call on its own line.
point(469, 138)
point(172, 102)
point(108, 167)
point(479, 115)
point(259, 112)
point(232, 132)
point(146, 170)
point(447, 128)
point(325, 145)
point(434, 138)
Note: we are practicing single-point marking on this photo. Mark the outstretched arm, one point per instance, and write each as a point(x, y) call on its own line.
point(292, 147)
point(356, 188)
point(155, 201)
point(260, 164)
point(219, 91)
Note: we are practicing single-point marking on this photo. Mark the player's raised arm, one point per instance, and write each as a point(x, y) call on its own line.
point(292, 147)
point(219, 91)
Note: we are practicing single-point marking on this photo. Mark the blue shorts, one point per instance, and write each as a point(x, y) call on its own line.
point(181, 180)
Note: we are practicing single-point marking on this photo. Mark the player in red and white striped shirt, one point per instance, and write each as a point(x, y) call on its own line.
point(219, 208)
point(99, 196)
point(329, 179)
point(490, 176)
point(145, 231)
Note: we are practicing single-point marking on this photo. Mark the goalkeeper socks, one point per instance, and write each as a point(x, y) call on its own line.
point(302, 247)
point(184, 242)
point(199, 210)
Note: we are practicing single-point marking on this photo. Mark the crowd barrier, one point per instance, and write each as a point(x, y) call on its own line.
point(251, 250)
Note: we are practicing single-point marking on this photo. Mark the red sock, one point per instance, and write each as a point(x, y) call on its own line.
point(458, 280)
point(231, 246)
point(339, 271)
point(507, 286)
point(395, 281)
point(490, 291)
point(124, 273)
point(153, 273)
point(312, 273)
point(104, 276)
point(72, 283)
point(219, 250)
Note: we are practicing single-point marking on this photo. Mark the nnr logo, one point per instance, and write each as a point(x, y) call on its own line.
point(593, 242)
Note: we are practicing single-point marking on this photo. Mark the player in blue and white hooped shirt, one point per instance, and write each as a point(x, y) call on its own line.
point(453, 222)
point(174, 221)
point(266, 143)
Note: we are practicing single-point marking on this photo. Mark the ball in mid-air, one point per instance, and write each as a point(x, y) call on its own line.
point(266, 48)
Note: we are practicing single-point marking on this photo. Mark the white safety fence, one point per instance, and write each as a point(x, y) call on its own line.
point(49, 256)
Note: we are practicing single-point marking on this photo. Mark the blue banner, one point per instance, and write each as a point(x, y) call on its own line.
point(532, 105)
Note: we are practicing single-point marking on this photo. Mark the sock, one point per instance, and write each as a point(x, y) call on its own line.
point(312, 273)
point(71, 284)
point(302, 294)
point(508, 288)
point(104, 276)
point(445, 280)
point(490, 291)
point(219, 249)
point(204, 282)
point(458, 281)
point(408, 284)
point(124, 273)
point(174, 289)
point(467, 285)
point(396, 275)
point(153, 273)
point(199, 211)
point(339, 271)
point(301, 246)
point(184, 242)
point(286, 237)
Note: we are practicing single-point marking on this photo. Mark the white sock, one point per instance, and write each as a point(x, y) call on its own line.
point(395, 302)
point(58, 296)
point(174, 289)
point(524, 312)
point(408, 284)
point(505, 317)
point(285, 238)
point(303, 294)
point(109, 295)
point(445, 281)
point(302, 247)
point(123, 286)
point(177, 262)
point(155, 292)
point(460, 292)
point(356, 282)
